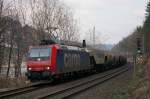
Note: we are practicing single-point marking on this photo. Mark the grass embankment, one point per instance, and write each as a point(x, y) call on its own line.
point(12, 82)
point(138, 86)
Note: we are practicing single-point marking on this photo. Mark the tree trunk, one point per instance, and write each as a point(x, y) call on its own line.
point(1, 57)
point(18, 61)
point(9, 58)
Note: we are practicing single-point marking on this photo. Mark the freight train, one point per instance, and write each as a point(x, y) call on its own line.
point(52, 60)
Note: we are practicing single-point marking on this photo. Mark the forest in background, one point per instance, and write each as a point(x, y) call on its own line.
point(26, 22)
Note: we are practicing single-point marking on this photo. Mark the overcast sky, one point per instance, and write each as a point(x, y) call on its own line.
point(113, 19)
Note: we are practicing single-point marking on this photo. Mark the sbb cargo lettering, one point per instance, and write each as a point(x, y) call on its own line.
point(71, 60)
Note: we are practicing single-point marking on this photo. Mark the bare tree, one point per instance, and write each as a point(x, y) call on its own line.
point(68, 26)
point(18, 16)
point(50, 14)
point(4, 7)
point(43, 16)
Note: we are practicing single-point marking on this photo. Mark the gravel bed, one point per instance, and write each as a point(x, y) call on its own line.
point(106, 90)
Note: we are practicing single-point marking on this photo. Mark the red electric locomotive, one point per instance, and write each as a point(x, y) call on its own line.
point(53, 60)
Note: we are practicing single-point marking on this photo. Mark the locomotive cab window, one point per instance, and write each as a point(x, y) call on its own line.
point(42, 53)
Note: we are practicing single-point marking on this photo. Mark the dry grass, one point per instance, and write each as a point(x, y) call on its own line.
point(142, 93)
point(147, 70)
point(12, 82)
point(143, 89)
point(139, 85)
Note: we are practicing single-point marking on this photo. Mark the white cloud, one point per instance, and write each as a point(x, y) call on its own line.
point(114, 18)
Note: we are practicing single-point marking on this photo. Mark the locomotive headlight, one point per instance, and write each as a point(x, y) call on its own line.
point(30, 68)
point(47, 68)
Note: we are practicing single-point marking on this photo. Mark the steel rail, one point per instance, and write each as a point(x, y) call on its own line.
point(74, 89)
point(22, 90)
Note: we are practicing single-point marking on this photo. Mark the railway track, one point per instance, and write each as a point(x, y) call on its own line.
point(22, 90)
point(63, 91)
point(69, 91)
